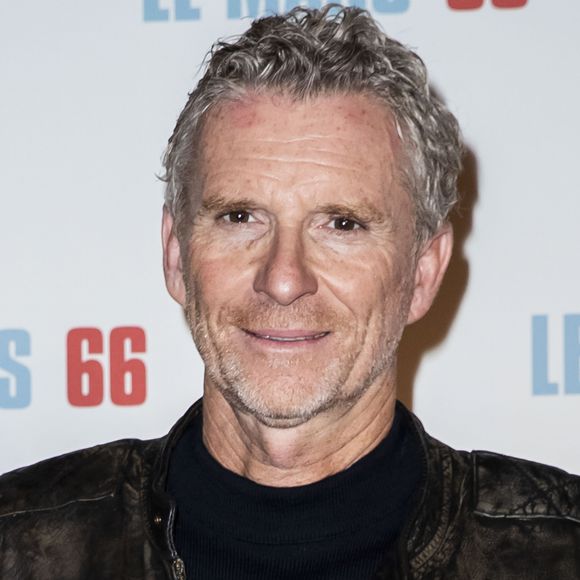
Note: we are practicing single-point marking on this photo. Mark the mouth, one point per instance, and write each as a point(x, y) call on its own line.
point(287, 336)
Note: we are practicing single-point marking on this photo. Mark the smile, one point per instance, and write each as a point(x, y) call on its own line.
point(287, 336)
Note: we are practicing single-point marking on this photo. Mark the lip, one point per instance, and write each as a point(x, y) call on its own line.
point(286, 336)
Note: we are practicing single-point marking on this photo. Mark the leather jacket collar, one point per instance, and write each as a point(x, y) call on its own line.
point(425, 542)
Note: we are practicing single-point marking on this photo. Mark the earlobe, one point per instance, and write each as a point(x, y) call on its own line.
point(429, 272)
point(172, 264)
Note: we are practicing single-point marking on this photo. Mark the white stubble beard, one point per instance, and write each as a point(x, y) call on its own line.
point(289, 398)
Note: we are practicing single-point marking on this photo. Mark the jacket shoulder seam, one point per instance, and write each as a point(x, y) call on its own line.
point(57, 507)
point(500, 516)
point(16, 485)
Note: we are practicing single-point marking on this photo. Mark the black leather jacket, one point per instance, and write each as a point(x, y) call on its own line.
point(102, 513)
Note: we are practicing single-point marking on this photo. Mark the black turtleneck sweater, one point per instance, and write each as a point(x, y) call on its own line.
point(341, 527)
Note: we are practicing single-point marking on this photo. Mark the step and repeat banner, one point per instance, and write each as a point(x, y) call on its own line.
point(91, 346)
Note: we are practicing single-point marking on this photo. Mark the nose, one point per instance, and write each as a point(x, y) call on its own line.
point(285, 275)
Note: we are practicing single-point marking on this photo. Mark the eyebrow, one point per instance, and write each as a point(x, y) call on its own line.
point(219, 203)
point(363, 211)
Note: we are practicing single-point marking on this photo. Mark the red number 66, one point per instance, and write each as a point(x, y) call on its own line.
point(85, 376)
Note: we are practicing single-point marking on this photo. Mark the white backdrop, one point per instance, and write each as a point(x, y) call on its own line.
point(90, 92)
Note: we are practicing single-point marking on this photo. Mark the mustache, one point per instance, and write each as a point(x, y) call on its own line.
point(256, 315)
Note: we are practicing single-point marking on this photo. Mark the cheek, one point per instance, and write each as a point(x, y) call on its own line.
point(219, 282)
point(378, 296)
point(365, 284)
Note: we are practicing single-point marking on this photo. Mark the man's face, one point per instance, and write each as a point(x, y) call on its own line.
point(300, 270)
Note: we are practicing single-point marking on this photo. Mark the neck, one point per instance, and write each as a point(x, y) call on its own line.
point(285, 457)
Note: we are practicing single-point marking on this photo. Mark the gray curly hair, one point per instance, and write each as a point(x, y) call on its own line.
point(306, 53)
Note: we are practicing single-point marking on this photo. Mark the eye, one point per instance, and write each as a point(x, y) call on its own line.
point(239, 216)
point(345, 224)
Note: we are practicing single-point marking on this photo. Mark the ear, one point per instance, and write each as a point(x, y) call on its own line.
point(172, 264)
point(429, 271)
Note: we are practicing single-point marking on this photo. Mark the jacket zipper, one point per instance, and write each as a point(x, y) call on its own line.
point(178, 569)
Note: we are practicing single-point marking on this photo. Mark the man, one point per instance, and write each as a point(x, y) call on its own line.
point(309, 179)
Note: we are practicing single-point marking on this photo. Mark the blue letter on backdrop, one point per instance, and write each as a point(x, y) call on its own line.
point(540, 384)
point(153, 12)
point(572, 354)
point(254, 8)
point(390, 6)
point(20, 395)
point(184, 11)
point(293, 3)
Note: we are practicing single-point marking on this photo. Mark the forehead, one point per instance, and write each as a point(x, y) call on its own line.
point(333, 145)
point(275, 118)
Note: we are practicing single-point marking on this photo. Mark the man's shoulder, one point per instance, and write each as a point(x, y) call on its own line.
point(501, 486)
point(487, 515)
point(511, 488)
point(87, 475)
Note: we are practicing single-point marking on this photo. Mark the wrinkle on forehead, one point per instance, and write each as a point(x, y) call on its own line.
point(301, 139)
point(294, 160)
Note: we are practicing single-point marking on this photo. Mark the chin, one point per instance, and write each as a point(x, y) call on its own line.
point(278, 403)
